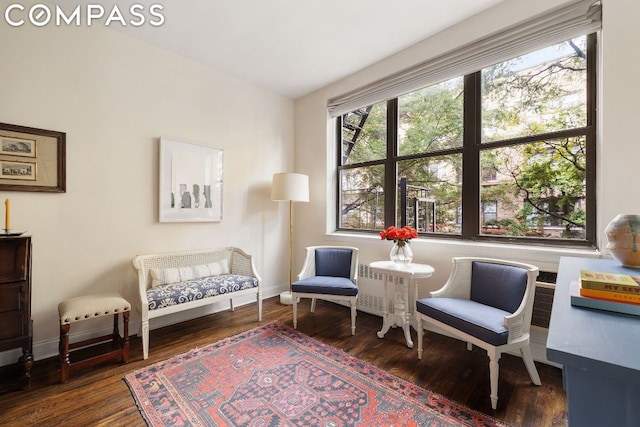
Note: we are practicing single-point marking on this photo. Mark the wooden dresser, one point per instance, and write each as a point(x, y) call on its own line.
point(16, 326)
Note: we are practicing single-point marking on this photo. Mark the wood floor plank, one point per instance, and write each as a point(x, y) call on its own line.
point(98, 396)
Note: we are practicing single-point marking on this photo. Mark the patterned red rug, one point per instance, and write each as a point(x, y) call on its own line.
point(276, 376)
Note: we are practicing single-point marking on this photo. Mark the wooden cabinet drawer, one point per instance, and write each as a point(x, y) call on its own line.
point(10, 297)
point(16, 326)
point(11, 322)
point(13, 260)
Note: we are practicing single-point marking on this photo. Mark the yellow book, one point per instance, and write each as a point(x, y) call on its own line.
point(609, 282)
point(600, 303)
point(610, 296)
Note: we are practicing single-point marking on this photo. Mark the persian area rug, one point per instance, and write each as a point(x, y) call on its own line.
point(276, 376)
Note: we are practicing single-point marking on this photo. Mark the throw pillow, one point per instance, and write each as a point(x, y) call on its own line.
point(165, 276)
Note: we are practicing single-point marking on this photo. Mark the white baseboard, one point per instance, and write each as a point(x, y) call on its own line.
point(49, 348)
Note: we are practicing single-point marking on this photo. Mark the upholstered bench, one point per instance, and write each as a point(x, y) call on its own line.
point(90, 307)
point(177, 281)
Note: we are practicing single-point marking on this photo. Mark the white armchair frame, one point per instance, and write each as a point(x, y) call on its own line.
point(309, 270)
point(518, 324)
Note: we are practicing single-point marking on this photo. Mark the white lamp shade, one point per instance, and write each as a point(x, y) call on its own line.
point(288, 187)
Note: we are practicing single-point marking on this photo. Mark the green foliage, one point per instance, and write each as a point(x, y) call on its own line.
point(372, 141)
point(431, 119)
point(536, 184)
point(512, 226)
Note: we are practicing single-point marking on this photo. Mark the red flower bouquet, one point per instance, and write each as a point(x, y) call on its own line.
point(400, 236)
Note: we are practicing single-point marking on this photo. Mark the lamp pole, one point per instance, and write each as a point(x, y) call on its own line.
point(290, 245)
point(290, 187)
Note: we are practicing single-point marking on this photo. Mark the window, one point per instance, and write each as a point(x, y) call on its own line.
point(489, 213)
point(504, 152)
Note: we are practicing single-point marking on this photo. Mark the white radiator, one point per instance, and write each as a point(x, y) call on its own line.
point(371, 296)
point(370, 290)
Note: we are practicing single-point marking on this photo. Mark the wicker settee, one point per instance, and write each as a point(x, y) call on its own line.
point(176, 281)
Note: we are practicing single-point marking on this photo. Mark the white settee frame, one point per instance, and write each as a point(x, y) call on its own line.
point(239, 263)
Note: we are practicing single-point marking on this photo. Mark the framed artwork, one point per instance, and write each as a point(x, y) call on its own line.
point(32, 159)
point(17, 170)
point(190, 182)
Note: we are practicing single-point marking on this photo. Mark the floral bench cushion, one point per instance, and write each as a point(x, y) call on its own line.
point(192, 290)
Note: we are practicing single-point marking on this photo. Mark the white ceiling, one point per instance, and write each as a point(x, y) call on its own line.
point(295, 46)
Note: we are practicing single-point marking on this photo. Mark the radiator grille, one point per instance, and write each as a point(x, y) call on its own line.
point(545, 287)
point(370, 290)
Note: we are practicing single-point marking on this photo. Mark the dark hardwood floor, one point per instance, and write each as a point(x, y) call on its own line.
point(98, 396)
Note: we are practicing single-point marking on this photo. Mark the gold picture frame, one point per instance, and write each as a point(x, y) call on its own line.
point(32, 159)
point(23, 171)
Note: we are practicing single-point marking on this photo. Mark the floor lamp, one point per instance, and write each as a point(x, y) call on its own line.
point(290, 187)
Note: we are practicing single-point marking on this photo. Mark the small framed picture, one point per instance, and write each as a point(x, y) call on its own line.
point(32, 159)
point(190, 182)
point(12, 146)
point(24, 171)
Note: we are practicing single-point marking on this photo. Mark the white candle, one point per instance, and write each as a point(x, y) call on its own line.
point(7, 215)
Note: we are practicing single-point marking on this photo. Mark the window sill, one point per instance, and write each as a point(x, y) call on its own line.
point(546, 257)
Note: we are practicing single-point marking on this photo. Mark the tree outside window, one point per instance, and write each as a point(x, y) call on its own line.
point(517, 134)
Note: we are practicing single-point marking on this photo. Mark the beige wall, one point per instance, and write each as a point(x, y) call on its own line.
point(618, 146)
point(114, 97)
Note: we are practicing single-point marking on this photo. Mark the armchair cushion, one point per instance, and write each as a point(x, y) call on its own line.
point(334, 262)
point(476, 319)
point(497, 285)
point(328, 285)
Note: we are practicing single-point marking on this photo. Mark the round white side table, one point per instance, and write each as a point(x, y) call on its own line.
point(398, 278)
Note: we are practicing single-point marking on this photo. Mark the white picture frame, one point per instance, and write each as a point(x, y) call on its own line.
point(190, 182)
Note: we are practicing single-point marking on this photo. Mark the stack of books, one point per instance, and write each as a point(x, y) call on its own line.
point(607, 291)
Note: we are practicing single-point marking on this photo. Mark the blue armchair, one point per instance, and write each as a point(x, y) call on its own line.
point(486, 302)
point(329, 273)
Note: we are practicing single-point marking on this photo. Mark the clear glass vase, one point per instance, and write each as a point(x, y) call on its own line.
point(401, 252)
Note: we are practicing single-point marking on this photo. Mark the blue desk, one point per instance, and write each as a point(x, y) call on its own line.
point(599, 351)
